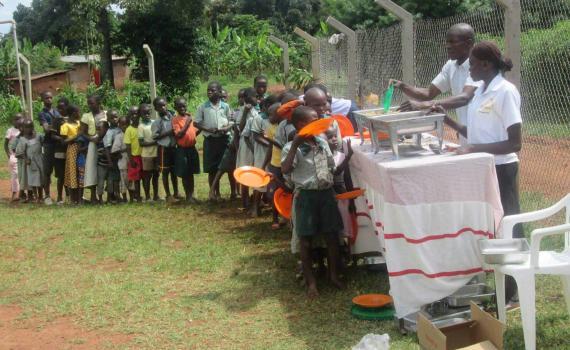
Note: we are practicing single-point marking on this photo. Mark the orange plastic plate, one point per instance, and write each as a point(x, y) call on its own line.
point(351, 194)
point(344, 124)
point(251, 176)
point(372, 300)
point(316, 127)
point(283, 202)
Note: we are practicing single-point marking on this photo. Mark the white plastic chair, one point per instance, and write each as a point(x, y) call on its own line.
point(540, 262)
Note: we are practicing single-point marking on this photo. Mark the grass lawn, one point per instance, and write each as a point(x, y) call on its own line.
point(202, 276)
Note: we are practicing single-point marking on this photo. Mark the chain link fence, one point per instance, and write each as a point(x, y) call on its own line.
point(334, 65)
point(379, 60)
point(545, 81)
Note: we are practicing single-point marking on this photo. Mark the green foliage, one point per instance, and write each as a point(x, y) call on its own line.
point(179, 51)
point(283, 15)
point(10, 106)
point(544, 55)
point(299, 77)
point(51, 21)
point(43, 58)
point(233, 53)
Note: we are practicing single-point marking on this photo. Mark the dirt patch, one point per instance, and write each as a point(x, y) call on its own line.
point(61, 333)
point(545, 165)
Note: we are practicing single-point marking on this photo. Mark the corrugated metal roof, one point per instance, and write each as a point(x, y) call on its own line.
point(43, 75)
point(85, 59)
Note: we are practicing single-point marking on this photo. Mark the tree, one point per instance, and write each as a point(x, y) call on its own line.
point(170, 28)
point(50, 21)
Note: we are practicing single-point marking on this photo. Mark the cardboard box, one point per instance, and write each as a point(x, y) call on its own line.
point(483, 332)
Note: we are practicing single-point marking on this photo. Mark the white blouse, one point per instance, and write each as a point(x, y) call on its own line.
point(491, 113)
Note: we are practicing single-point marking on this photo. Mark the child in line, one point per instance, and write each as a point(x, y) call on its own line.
point(187, 161)
point(134, 164)
point(308, 164)
point(133, 110)
point(227, 165)
point(213, 119)
point(229, 159)
point(260, 86)
point(273, 160)
point(11, 134)
point(224, 97)
point(60, 147)
point(88, 129)
point(164, 137)
point(245, 150)
point(26, 192)
point(108, 141)
point(30, 148)
point(259, 125)
point(148, 153)
point(119, 152)
point(73, 162)
point(105, 175)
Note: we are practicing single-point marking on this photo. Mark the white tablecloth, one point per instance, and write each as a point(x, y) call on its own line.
point(429, 211)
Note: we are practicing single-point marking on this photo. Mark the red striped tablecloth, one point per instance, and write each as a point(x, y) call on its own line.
point(429, 211)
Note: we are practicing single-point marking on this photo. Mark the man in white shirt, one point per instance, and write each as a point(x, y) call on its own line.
point(454, 77)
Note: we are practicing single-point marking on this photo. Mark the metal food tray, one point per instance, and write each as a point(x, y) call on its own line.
point(476, 293)
point(504, 251)
point(408, 324)
point(397, 124)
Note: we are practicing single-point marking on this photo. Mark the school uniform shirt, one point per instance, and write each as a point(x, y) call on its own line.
point(48, 116)
point(160, 125)
point(245, 153)
point(313, 166)
point(132, 138)
point(101, 155)
point(91, 121)
point(258, 127)
point(454, 77)
point(33, 152)
point(189, 138)
point(285, 131)
point(145, 134)
point(213, 116)
point(491, 113)
point(276, 151)
point(110, 136)
point(120, 147)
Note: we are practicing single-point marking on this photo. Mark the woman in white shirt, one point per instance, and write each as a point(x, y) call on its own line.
point(494, 122)
point(494, 126)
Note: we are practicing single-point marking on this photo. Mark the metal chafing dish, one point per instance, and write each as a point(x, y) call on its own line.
point(398, 124)
point(477, 293)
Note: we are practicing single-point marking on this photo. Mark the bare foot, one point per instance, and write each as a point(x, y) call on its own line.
point(312, 292)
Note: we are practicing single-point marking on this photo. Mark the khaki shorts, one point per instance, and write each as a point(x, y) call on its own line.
point(149, 163)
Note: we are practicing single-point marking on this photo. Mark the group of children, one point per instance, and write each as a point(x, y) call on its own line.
point(107, 153)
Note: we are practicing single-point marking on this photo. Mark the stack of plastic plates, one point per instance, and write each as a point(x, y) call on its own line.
point(372, 307)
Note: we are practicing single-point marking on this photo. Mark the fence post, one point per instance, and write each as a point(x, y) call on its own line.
point(315, 57)
point(13, 23)
point(408, 43)
point(513, 38)
point(151, 76)
point(29, 107)
point(283, 45)
point(352, 56)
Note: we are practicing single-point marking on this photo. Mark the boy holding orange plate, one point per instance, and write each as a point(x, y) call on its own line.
point(307, 163)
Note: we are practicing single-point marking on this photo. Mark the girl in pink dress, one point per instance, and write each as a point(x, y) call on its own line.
point(11, 135)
